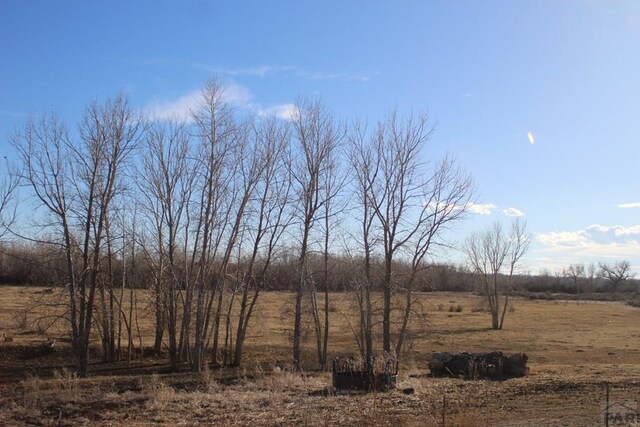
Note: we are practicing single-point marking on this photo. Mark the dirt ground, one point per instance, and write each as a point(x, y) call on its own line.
point(575, 351)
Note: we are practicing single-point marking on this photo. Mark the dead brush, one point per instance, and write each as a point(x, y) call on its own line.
point(211, 380)
point(21, 320)
point(463, 411)
point(159, 394)
point(481, 305)
point(279, 380)
point(66, 384)
point(38, 392)
point(33, 395)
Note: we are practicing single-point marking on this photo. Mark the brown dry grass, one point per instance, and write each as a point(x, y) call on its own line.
point(574, 350)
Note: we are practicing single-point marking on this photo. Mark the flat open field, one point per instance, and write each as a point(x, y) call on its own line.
point(574, 350)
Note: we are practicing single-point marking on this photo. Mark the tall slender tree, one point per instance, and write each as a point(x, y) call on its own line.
point(317, 140)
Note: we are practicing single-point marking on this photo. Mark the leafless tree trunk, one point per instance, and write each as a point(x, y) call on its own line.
point(365, 167)
point(332, 183)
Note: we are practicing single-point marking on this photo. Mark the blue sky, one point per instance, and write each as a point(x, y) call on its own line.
point(488, 72)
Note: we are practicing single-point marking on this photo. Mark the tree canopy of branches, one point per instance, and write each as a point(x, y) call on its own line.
point(8, 184)
point(575, 272)
point(405, 206)
point(617, 273)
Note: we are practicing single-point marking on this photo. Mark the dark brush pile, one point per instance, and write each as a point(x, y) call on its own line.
point(494, 365)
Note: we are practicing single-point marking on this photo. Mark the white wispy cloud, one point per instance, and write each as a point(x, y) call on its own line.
point(334, 76)
point(629, 205)
point(234, 94)
point(282, 111)
point(513, 212)
point(266, 70)
point(481, 209)
point(177, 109)
point(258, 71)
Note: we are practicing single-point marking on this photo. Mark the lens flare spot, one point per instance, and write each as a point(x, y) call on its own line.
point(531, 138)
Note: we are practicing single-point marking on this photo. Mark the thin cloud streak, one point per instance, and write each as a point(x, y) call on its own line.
point(629, 205)
point(266, 70)
point(259, 71)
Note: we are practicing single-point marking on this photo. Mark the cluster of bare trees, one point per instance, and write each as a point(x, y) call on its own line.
point(77, 182)
point(616, 273)
point(207, 205)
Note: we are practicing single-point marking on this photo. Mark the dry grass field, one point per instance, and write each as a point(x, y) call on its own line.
point(574, 349)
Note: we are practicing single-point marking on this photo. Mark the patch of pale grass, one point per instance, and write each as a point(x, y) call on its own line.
point(280, 381)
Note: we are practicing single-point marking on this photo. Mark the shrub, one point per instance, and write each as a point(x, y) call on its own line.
point(455, 308)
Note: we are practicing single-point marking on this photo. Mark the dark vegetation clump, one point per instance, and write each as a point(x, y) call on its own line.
point(494, 365)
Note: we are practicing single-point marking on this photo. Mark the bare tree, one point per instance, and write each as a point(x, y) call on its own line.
point(592, 275)
point(247, 169)
point(216, 131)
point(317, 140)
point(493, 256)
point(446, 193)
point(76, 182)
point(166, 182)
point(617, 273)
point(8, 185)
point(269, 218)
point(575, 272)
point(364, 166)
point(412, 205)
point(406, 206)
point(333, 182)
